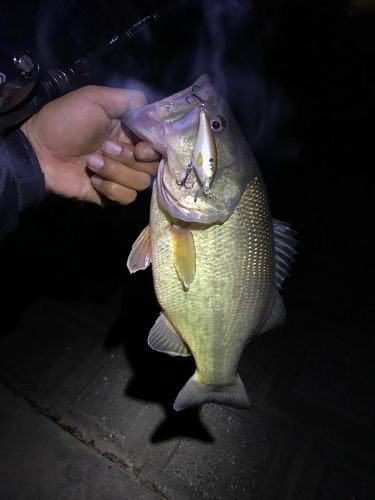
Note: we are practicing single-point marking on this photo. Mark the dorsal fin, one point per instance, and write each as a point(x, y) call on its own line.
point(285, 243)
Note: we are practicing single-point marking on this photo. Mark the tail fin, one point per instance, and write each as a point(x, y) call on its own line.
point(195, 393)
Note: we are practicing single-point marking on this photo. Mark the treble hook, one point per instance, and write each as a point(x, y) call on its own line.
point(189, 169)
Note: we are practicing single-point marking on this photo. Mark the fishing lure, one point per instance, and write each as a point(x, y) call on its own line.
point(204, 157)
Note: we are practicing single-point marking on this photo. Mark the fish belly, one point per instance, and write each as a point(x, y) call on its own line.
point(234, 284)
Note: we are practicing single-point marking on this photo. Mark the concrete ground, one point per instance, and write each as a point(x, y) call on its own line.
point(86, 406)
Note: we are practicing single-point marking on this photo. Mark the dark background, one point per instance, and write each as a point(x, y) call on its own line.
point(300, 79)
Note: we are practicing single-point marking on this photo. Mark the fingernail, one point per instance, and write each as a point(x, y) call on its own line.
point(95, 161)
point(111, 148)
point(96, 180)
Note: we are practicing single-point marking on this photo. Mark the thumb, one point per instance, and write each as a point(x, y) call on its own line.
point(117, 101)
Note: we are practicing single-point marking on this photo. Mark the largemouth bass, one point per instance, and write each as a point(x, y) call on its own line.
point(218, 258)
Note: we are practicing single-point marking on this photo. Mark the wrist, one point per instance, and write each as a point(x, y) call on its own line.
point(38, 149)
point(26, 170)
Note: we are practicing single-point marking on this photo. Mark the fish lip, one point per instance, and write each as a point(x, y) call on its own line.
point(156, 114)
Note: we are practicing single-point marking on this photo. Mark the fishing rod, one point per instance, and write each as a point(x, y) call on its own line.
point(24, 89)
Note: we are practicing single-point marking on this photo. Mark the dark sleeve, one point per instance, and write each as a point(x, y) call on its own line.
point(21, 179)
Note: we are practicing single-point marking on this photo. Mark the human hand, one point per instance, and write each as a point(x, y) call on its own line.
point(81, 133)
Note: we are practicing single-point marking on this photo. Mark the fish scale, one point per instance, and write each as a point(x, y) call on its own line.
point(233, 285)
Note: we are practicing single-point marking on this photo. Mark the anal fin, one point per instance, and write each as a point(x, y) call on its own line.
point(164, 338)
point(195, 393)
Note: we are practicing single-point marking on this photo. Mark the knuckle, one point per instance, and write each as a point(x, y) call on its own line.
point(114, 188)
point(89, 90)
point(109, 169)
point(127, 154)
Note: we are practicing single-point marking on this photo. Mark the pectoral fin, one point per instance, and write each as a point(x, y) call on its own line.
point(140, 254)
point(184, 254)
point(164, 338)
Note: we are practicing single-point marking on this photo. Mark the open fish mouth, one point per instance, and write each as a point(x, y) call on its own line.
point(187, 189)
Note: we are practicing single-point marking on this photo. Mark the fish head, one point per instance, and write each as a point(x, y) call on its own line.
point(174, 127)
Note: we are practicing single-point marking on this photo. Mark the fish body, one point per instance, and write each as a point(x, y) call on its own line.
point(218, 261)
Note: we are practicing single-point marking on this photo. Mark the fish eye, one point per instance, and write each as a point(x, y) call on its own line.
point(218, 124)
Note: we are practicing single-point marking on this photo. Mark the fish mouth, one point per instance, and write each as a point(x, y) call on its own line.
point(172, 115)
point(171, 127)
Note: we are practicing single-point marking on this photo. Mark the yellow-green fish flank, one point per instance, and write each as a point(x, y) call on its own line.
point(234, 279)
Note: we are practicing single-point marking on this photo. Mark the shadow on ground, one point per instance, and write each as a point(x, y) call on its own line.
point(157, 377)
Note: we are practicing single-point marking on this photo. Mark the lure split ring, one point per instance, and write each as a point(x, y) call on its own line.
point(194, 94)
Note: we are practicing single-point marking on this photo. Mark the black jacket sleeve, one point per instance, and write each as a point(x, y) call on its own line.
point(21, 179)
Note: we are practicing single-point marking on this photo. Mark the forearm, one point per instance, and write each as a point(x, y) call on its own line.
point(21, 179)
